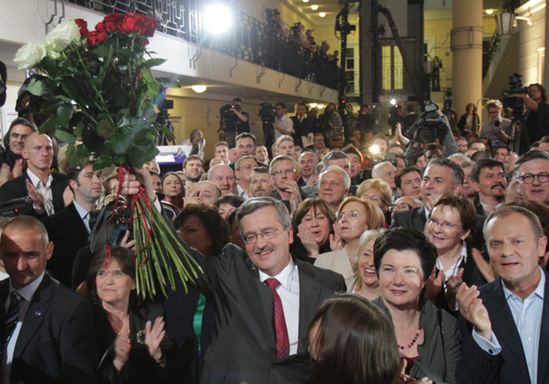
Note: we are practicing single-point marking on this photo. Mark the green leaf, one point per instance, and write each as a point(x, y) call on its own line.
point(154, 62)
point(102, 162)
point(79, 129)
point(64, 114)
point(64, 136)
point(105, 128)
point(37, 87)
point(48, 127)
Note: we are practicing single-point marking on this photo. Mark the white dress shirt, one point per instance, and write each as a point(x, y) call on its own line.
point(44, 190)
point(27, 292)
point(288, 290)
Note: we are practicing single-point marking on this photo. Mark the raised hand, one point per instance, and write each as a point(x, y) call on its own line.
point(122, 345)
point(37, 198)
point(434, 284)
point(335, 240)
point(484, 266)
point(407, 379)
point(473, 310)
point(307, 240)
point(154, 334)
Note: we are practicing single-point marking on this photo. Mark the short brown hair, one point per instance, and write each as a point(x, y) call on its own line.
point(463, 205)
point(375, 217)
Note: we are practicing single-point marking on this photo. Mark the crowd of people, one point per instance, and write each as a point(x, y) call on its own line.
point(322, 261)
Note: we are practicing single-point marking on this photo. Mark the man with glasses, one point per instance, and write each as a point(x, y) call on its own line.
point(532, 172)
point(266, 300)
point(285, 172)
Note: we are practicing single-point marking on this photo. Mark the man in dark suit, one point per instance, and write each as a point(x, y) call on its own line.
point(440, 176)
point(264, 301)
point(302, 126)
point(507, 340)
point(38, 182)
point(70, 228)
point(47, 330)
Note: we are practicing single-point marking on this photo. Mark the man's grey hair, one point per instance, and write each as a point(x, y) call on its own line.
point(283, 158)
point(376, 170)
point(253, 204)
point(241, 159)
point(337, 169)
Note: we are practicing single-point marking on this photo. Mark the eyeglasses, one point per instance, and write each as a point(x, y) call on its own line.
point(267, 234)
point(444, 224)
point(529, 177)
point(283, 172)
point(349, 215)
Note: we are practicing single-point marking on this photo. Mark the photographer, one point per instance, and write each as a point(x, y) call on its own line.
point(431, 125)
point(536, 122)
point(498, 130)
point(233, 121)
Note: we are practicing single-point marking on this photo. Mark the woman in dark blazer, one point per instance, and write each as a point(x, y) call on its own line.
point(426, 336)
point(131, 341)
point(469, 122)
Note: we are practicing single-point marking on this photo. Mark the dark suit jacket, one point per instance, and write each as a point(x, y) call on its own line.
point(243, 350)
point(509, 366)
point(56, 343)
point(17, 188)
point(414, 218)
point(68, 233)
point(301, 129)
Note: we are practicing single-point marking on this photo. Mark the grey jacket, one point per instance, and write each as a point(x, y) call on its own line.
point(441, 350)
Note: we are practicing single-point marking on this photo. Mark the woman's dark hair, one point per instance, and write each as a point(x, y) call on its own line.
point(403, 239)
point(235, 201)
point(297, 249)
point(124, 257)
point(541, 90)
point(18, 121)
point(355, 343)
point(216, 227)
point(179, 202)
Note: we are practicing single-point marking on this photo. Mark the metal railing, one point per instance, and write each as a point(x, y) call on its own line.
point(250, 39)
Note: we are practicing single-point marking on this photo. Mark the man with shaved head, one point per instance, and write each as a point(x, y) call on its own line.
point(48, 332)
point(223, 176)
point(38, 182)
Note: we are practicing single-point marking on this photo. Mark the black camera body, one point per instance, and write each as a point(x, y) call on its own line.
point(228, 117)
point(515, 103)
point(428, 126)
point(267, 113)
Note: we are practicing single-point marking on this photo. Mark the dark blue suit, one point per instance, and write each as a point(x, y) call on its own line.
point(509, 366)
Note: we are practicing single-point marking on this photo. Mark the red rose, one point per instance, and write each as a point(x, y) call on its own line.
point(129, 24)
point(149, 25)
point(83, 25)
point(96, 37)
point(112, 21)
point(100, 27)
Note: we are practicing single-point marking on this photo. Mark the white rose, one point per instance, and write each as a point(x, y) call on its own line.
point(29, 55)
point(62, 35)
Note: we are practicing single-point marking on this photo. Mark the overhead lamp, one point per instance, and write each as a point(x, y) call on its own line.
point(305, 1)
point(199, 88)
point(314, 7)
point(322, 14)
point(489, 11)
point(217, 18)
point(313, 105)
point(393, 102)
point(321, 106)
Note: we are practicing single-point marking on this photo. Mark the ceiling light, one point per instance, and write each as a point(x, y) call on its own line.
point(217, 18)
point(489, 11)
point(305, 1)
point(199, 88)
point(322, 14)
point(314, 7)
point(321, 106)
point(313, 105)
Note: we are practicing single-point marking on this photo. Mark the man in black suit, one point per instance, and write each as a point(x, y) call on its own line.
point(440, 176)
point(302, 126)
point(47, 330)
point(264, 301)
point(507, 340)
point(70, 229)
point(38, 182)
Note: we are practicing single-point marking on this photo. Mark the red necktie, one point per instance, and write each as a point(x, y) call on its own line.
point(281, 333)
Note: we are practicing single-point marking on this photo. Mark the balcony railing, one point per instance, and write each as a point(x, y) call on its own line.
point(250, 39)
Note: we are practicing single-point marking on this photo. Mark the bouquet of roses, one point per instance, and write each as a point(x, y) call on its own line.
point(99, 92)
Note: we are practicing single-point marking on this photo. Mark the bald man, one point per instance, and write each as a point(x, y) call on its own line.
point(38, 182)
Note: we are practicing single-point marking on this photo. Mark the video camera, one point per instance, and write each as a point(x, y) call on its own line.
point(428, 126)
point(515, 103)
point(267, 113)
point(15, 206)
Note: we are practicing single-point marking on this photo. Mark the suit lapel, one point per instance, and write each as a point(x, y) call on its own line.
point(4, 291)
point(34, 316)
point(309, 291)
point(543, 353)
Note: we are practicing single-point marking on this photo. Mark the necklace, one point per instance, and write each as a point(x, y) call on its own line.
point(414, 340)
